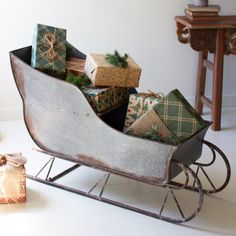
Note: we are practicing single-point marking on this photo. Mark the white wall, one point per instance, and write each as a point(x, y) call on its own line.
point(145, 29)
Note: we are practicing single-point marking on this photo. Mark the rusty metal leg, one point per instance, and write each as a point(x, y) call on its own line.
point(225, 165)
point(163, 215)
point(177, 187)
point(209, 185)
point(50, 160)
point(177, 203)
point(103, 187)
point(164, 203)
point(65, 172)
point(96, 184)
point(58, 176)
point(50, 168)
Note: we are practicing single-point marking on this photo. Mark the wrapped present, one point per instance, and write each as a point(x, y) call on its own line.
point(12, 178)
point(80, 80)
point(139, 104)
point(150, 126)
point(102, 99)
point(49, 50)
point(178, 115)
point(102, 73)
point(75, 66)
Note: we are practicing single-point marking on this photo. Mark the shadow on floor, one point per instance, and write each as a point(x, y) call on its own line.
point(34, 202)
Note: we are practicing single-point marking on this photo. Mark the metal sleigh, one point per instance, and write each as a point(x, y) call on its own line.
point(62, 123)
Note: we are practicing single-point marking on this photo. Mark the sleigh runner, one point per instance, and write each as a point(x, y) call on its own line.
point(62, 123)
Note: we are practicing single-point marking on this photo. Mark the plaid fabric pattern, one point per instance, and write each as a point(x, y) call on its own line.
point(39, 59)
point(178, 115)
point(102, 99)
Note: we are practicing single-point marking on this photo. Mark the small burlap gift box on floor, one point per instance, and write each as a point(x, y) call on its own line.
point(139, 104)
point(178, 115)
point(102, 73)
point(12, 178)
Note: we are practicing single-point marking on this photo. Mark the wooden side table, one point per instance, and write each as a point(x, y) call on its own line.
point(215, 35)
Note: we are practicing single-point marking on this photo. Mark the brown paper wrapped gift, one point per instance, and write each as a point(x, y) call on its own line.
point(12, 178)
point(102, 73)
point(150, 126)
point(75, 66)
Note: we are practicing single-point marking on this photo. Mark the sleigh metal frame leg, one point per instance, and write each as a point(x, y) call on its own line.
point(206, 181)
point(159, 214)
point(192, 182)
point(202, 166)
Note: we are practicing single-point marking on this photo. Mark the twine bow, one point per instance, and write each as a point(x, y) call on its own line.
point(150, 94)
point(13, 159)
point(3, 160)
point(159, 95)
point(49, 40)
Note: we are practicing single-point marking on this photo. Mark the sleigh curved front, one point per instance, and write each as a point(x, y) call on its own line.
point(61, 121)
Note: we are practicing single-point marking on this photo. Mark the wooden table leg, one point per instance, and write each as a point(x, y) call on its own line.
point(201, 80)
point(218, 80)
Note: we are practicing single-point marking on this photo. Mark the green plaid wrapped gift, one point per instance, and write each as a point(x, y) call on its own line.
point(102, 99)
point(150, 126)
point(49, 50)
point(178, 115)
point(139, 104)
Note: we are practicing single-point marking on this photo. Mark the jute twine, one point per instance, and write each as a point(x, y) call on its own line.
point(3, 160)
point(150, 94)
point(49, 40)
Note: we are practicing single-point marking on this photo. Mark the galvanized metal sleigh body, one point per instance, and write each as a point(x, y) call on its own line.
point(63, 124)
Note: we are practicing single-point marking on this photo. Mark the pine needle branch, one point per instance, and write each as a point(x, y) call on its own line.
point(117, 60)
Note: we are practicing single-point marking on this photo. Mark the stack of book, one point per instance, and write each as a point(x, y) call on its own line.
point(202, 13)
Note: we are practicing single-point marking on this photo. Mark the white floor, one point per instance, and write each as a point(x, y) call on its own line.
point(50, 211)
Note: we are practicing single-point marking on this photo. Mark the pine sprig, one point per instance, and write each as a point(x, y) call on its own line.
point(117, 60)
point(79, 80)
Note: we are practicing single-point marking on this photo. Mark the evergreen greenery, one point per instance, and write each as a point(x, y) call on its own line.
point(174, 139)
point(78, 80)
point(154, 135)
point(117, 60)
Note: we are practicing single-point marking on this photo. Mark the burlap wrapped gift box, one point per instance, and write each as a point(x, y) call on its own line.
point(12, 178)
point(103, 73)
